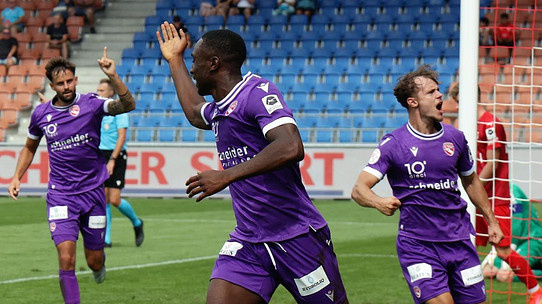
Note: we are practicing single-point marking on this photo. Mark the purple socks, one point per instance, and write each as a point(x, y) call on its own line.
point(69, 286)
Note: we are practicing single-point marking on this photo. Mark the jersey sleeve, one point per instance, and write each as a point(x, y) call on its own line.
point(123, 121)
point(380, 160)
point(34, 131)
point(207, 111)
point(268, 108)
point(494, 134)
point(465, 162)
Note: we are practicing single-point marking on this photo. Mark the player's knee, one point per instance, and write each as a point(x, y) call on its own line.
point(66, 260)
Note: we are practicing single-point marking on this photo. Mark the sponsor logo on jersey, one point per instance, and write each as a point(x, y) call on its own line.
point(51, 130)
point(74, 140)
point(472, 275)
point(271, 103)
point(416, 169)
point(312, 282)
point(420, 271)
point(58, 213)
point(448, 148)
point(74, 110)
point(417, 291)
point(374, 157)
point(264, 87)
point(214, 127)
point(230, 248)
point(49, 116)
point(490, 133)
point(232, 107)
point(96, 221)
point(414, 151)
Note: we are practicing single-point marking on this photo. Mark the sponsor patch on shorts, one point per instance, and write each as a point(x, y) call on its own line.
point(420, 271)
point(312, 282)
point(58, 213)
point(472, 275)
point(230, 248)
point(96, 222)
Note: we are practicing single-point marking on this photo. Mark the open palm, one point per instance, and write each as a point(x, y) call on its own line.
point(171, 44)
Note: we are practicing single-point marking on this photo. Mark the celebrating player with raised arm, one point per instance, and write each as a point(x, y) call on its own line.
point(423, 160)
point(75, 199)
point(280, 237)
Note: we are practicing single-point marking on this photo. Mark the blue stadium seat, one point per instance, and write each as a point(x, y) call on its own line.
point(193, 21)
point(324, 136)
point(189, 135)
point(346, 135)
point(278, 19)
point(358, 106)
point(166, 135)
point(256, 20)
point(235, 20)
point(337, 106)
point(208, 136)
point(369, 136)
point(144, 135)
point(320, 19)
point(214, 20)
point(394, 122)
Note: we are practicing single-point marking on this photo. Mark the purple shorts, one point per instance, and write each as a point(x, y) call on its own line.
point(70, 213)
point(433, 268)
point(305, 265)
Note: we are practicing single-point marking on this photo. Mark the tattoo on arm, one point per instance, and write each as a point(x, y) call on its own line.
point(124, 104)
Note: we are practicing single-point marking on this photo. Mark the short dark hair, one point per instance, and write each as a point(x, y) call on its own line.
point(504, 15)
point(57, 65)
point(484, 20)
point(229, 46)
point(407, 87)
point(176, 18)
point(108, 81)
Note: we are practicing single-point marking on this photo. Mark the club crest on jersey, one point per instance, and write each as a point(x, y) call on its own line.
point(74, 110)
point(52, 226)
point(448, 148)
point(232, 107)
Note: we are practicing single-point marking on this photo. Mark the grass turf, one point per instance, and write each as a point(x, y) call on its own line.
point(182, 239)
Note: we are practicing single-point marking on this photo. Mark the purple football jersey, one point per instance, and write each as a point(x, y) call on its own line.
point(423, 174)
point(73, 136)
point(273, 206)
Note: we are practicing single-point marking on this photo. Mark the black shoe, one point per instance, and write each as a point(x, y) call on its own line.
point(108, 245)
point(139, 235)
point(92, 30)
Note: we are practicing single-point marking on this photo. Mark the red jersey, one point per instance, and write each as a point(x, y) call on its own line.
point(505, 32)
point(491, 135)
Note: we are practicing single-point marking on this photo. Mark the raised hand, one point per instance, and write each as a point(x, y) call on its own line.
point(107, 64)
point(171, 45)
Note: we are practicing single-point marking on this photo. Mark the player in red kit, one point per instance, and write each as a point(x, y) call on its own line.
point(492, 167)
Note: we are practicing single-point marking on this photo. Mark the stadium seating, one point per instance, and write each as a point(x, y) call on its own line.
point(343, 61)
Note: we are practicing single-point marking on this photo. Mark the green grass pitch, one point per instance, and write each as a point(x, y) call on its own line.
point(182, 241)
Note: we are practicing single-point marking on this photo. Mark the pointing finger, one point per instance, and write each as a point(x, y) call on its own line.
point(105, 51)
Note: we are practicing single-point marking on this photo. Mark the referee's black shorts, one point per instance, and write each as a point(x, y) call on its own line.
point(116, 180)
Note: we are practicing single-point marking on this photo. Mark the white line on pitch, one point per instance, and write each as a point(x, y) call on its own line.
point(232, 221)
point(54, 276)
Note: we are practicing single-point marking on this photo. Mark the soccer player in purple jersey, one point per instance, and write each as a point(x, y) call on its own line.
point(423, 160)
point(280, 237)
point(75, 198)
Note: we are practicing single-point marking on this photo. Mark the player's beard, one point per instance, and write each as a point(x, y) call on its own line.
point(67, 99)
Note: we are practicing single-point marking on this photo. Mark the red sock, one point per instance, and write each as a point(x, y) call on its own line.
point(522, 269)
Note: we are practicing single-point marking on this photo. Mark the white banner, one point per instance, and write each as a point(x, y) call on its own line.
point(161, 171)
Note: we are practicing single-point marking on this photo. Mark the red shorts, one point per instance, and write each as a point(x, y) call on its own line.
point(502, 213)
